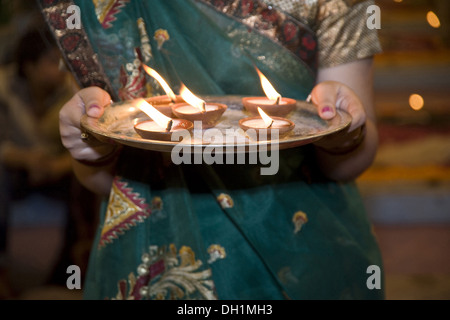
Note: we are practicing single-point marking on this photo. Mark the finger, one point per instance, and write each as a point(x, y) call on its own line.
point(94, 100)
point(324, 96)
point(348, 101)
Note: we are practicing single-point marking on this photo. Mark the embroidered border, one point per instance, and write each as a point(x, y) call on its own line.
point(278, 26)
point(74, 43)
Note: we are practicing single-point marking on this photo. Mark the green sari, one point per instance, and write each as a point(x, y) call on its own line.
point(222, 231)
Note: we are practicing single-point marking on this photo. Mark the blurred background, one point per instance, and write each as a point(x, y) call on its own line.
point(406, 191)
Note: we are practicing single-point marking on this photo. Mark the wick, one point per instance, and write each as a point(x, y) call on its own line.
point(169, 126)
point(278, 100)
point(270, 125)
point(203, 107)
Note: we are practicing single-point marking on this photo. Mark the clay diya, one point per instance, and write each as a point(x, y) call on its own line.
point(265, 127)
point(162, 103)
point(272, 104)
point(195, 109)
point(160, 127)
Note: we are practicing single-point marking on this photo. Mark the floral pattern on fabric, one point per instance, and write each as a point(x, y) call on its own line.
point(125, 210)
point(166, 274)
point(106, 11)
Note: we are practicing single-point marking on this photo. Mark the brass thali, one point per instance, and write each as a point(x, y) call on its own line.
point(117, 125)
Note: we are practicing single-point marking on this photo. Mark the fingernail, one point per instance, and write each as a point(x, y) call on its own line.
point(94, 106)
point(327, 110)
point(94, 110)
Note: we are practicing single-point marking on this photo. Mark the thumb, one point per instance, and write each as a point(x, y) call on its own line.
point(324, 96)
point(94, 99)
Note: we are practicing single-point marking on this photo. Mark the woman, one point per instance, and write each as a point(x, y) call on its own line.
point(224, 231)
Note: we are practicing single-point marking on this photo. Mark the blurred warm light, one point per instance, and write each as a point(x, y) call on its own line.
point(416, 101)
point(398, 0)
point(433, 19)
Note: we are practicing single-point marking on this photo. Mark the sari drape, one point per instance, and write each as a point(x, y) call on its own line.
point(221, 231)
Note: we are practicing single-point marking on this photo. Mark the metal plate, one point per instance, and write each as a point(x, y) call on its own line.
point(118, 120)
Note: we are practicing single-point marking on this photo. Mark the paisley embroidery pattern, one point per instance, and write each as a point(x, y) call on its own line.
point(125, 210)
point(106, 11)
point(167, 274)
point(74, 43)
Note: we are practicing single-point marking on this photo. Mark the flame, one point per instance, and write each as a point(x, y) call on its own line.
point(191, 99)
point(151, 72)
point(269, 90)
point(267, 120)
point(162, 120)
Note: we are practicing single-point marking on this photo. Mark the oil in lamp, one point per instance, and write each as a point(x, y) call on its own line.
point(265, 126)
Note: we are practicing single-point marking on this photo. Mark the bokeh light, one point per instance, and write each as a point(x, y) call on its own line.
point(416, 101)
point(433, 19)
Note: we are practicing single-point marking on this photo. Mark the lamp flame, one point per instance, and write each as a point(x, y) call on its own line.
point(267, 120)
point(151, 72)
point(269, 90)
point(191, 99)
point(162, 120)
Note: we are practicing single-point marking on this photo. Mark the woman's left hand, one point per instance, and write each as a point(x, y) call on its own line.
point(329, 96)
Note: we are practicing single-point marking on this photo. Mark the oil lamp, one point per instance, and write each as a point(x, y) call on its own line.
point(272, 104)
point(265, 126)
point(162, 103)
point(160, 127)
point(196, 109)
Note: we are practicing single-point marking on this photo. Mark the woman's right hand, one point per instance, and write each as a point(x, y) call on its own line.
point(90, 101)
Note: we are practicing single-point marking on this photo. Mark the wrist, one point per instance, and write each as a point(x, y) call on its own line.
point(104, 160)
point(349, 146)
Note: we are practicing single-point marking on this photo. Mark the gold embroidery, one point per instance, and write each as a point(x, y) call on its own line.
point(167, 274)
point(161, 36)
point(125, 209)
point(145, 41)
point(216, 252)
point(119, 209)
point(299, 219)
point(225, 201)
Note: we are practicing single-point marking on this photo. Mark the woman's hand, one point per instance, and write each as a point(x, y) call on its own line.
point(329, 96)
point(94, 163)
point(347, 154)
point(82, 147)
